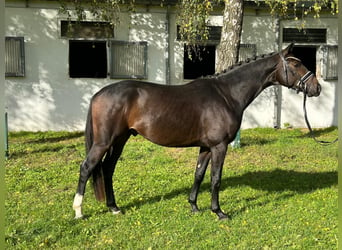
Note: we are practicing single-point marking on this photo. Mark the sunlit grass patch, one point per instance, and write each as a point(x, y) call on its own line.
point(280, 189)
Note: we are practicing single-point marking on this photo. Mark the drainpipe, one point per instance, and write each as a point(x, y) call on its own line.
point(167, 47)
point(277, 89)
point(6, 136)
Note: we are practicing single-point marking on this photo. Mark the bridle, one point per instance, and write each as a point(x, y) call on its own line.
point(301, 86)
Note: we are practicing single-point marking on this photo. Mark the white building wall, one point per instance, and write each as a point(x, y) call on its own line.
point(322, 110)
point(48, 99)
point(260, 30)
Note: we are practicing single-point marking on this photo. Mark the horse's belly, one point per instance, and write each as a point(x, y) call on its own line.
point(168, 133)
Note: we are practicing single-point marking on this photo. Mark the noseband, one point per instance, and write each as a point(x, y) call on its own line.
point(301, 84)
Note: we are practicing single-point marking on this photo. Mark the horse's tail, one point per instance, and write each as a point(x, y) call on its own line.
point(98, 181)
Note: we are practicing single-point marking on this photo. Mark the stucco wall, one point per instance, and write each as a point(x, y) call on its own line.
point(322, 110)
point(48, 99)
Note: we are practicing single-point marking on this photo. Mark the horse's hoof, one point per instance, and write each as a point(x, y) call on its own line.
point(194, 207)
point(114, 210)
point(195, 210)
point(221, 215)
point(77, 217)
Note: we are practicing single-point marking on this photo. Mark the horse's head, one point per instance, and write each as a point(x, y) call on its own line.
point(293, 74)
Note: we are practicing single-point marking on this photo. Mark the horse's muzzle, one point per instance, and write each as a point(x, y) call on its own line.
point(313, 89)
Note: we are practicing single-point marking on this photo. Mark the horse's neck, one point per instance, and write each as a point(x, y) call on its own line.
point(244, 84)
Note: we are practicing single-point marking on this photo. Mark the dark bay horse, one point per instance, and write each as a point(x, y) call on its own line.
point(205, 113)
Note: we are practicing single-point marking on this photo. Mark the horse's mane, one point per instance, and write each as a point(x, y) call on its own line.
point(241, 63)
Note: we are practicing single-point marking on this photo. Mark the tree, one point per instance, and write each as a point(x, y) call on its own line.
point(193, 18)
point(228, 50)
point(193, 22)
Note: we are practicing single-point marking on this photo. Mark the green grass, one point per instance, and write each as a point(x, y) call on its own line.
point(280, 190)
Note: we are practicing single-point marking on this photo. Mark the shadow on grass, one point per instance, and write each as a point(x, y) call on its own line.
point(276, 181)
point(43, 137)
point(249, 141)
point(319, 132)
point(245, 142)
point(43, 142)
point(56, 137)
point(283, 180)
point(44, 149)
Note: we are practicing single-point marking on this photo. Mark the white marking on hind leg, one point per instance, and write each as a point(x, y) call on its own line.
point(114, 210)
point(199, 165)
point(77, 205)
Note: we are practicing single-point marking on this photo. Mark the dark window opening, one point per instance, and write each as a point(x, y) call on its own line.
point(307, 55)
point(87, 59)
point(202, 62)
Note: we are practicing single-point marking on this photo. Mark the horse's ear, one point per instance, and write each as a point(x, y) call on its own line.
point(288, 49)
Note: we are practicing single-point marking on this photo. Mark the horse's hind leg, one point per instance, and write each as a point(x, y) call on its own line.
point(108, 170)
point(94, 157)
point(202, 164)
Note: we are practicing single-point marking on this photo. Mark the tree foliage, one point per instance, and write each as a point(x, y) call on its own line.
point(101, 10)
point(193, 19)
point(300, 9)
point(193, 15)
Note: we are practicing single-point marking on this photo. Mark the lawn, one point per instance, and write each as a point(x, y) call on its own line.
point(279, 188)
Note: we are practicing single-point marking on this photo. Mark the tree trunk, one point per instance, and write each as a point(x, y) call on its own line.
point(228, 49)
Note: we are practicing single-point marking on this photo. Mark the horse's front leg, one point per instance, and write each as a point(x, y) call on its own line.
point(201, 167)
point(217, 158)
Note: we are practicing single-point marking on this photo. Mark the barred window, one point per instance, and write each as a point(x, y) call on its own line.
point(330, 62)
point(14, 56)
point(247, 51)
point(128, 59)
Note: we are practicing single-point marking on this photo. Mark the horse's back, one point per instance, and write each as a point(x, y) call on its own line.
point(183, 115)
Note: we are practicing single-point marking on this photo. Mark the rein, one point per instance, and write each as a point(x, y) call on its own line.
point(320, 142)
point(301, 85)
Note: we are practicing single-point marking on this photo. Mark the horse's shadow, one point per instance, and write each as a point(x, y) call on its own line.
point(276, 181)
point(46, 143)
point(318, 132)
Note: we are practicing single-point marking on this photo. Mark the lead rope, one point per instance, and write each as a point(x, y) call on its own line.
point(322, 143)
